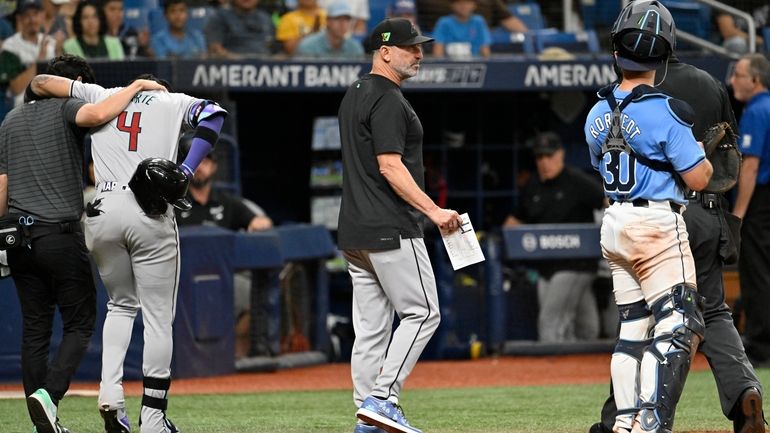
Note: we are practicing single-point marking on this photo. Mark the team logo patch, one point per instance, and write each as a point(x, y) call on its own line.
point(10, 239)
point(746, 142)
point(385, 37)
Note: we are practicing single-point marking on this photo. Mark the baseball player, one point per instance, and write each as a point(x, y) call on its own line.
point(640, 141)
point(137, 253)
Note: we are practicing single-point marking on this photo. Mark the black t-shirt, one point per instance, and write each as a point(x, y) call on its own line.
point(375, 119)
point(222, 210)
point(707, 96)
point(571, 197)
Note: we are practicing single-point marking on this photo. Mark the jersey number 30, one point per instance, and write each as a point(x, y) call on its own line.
point(132, 128)
point(619, 172)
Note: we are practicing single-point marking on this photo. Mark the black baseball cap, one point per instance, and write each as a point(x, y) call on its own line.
point(395, 32)
point(24, 5)
point(546, 143)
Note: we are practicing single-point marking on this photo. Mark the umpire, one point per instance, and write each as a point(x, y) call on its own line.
point(41, 197)
point(711, 244)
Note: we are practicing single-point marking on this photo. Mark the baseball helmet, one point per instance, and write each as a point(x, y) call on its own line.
point(644, 35)
point(158, 182)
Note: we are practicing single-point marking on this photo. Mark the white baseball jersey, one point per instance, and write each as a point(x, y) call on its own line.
point(147, 128)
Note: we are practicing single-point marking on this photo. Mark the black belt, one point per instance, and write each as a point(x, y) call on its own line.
point(709, 200)
point(43, 229)
point(643, 202)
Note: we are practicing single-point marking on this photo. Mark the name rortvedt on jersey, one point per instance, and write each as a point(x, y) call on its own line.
point(275, 76)
point(568, 75)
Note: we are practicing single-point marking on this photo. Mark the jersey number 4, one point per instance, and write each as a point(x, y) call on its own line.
point(619, 172)
point(132, 128)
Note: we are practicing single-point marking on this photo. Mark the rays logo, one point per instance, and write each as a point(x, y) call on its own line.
point(385, 37)
point(10, 239)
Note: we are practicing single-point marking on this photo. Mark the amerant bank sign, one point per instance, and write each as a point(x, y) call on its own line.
point(459, 75)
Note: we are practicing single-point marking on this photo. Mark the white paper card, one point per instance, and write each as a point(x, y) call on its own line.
point(462, 245)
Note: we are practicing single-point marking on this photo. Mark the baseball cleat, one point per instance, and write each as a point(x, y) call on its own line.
point(366, 428)
point(385, 415)
point(750, 418)
point(43, 412)
point(116, 420)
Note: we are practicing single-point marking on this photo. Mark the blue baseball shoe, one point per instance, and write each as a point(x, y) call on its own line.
point(385, 415)
point(365, 428)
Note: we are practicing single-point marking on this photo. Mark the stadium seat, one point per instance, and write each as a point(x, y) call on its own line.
point(689, 16)
point(529, 14)
point(146, 4)
point(580, 42)
point(504, 41)
point(157, 20)
point(378, 10)
point(599, 13)
point(198, 16)
point(136, 17)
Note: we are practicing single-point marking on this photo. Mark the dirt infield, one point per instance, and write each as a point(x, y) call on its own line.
point(503, 371)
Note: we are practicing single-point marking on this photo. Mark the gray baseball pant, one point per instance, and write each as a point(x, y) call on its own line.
point(568, 309)
point(385, 282)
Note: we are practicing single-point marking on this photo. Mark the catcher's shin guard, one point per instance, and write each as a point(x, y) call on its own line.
point(679, 329)
point(635, 325)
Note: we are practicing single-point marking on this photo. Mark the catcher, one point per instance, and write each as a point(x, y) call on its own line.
point(712, 244)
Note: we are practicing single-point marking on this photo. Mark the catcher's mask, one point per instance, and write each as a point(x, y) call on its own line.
point(158, 182)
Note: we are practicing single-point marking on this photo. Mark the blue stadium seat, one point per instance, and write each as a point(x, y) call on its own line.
point(136, 17)
point(504, 41)
point(378, 10)
point(689, 16)
point(599, 13)
point(199, 16)
point(529, 13)
point(580, 42)
point(146, 4)
point(157, 20)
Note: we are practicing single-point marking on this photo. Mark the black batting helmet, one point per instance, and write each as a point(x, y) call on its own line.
point(644, 35)
point(158, 182)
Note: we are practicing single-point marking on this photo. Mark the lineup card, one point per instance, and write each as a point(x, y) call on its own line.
point(462, 245)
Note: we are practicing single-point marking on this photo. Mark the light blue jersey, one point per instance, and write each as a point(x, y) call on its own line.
point(653, 130)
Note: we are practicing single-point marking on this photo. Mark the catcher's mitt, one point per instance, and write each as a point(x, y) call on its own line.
point(720, 145)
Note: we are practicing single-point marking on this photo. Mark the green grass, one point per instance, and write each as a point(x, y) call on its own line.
point(479, 410)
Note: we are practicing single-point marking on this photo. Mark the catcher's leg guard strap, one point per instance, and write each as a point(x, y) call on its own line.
point(678, 331)
point(635, 325)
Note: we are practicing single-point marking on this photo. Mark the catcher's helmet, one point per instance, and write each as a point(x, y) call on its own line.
point(158, 182)
point(644, 35)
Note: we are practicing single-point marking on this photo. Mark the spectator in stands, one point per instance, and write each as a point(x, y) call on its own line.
point(217, 208)
point(91, 40)
point(177, 41)
point(405, 9)
point(54, 23)
point(733, 29)
point(359, 13)
point(136, 42)
point(561, 194)
point(239, 31)
point(23, 49)
point(306, 19)
point(462, 34)
point(334, 42)
point(495, 13)
point(750, 82)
